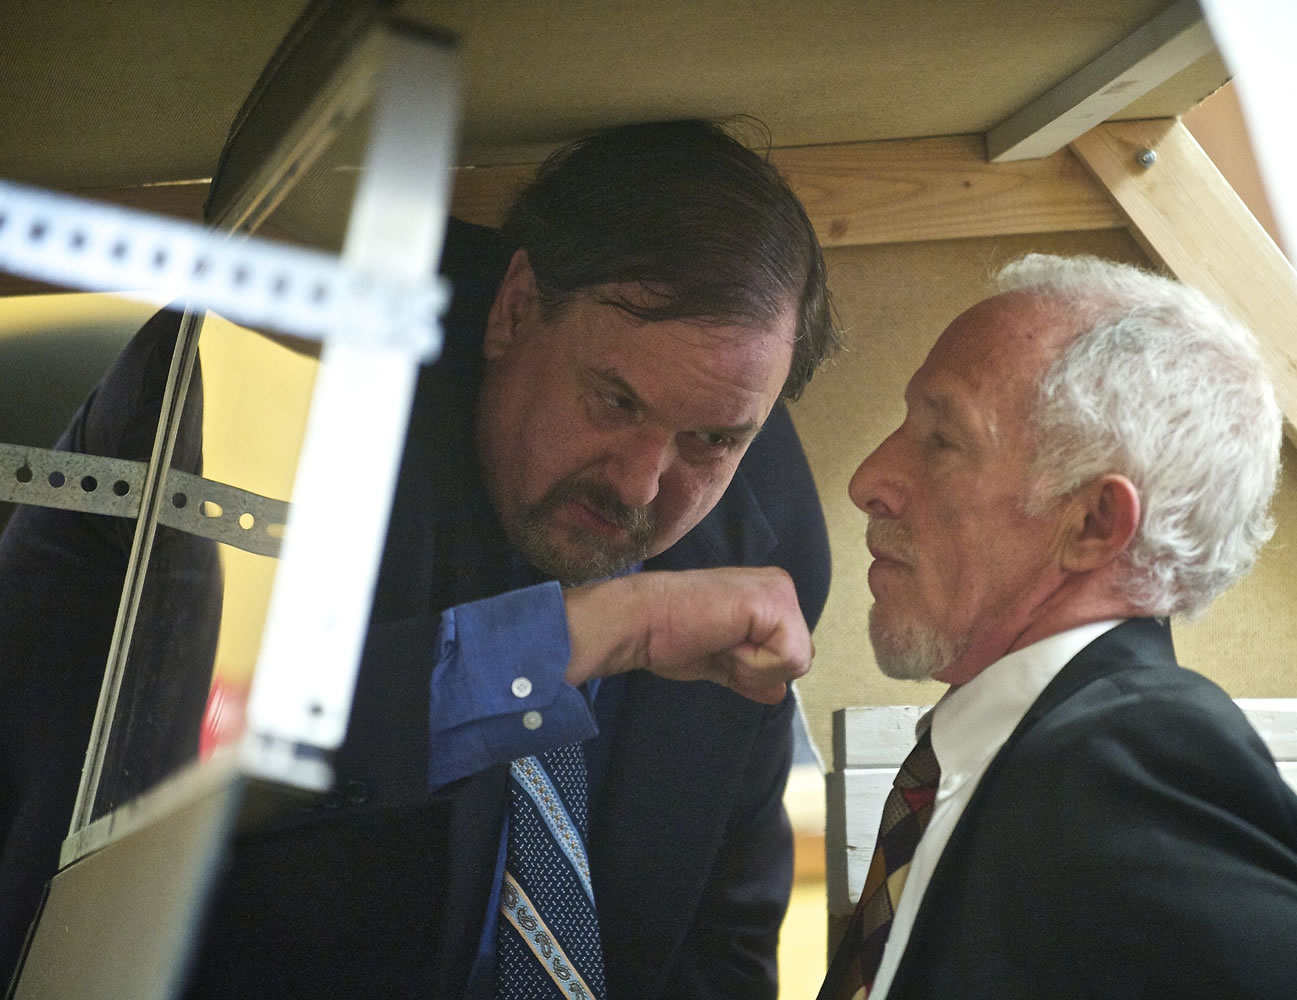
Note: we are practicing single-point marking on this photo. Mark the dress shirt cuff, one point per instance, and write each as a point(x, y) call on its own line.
point(497, 690)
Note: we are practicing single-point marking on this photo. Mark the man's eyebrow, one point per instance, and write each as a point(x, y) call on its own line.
point(749, 428)
point(939, 404)
point(943, 406)
point(609, 379)
point(946, 409)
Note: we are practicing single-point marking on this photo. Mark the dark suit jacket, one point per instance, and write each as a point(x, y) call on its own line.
point(1133, 838)
point(382, 890)
point(61, 577)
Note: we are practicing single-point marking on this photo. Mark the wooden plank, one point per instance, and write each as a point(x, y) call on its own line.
point(808, 857)
point(874, 735)
point(890, 192)
point(911, 190)
point(1169, 43)
point(483, 194)
point(855, 807)
point(1275, 719)
point(1188, 218)
point(856, 194)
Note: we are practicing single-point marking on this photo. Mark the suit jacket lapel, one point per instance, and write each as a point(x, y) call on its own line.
point(648, 807)
point(1132, 645)
point(477, 812)
point(1135, 642)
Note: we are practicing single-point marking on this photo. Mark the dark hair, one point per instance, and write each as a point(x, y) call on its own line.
point(690, 213)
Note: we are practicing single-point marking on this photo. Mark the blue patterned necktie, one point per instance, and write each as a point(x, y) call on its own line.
point(547, 944)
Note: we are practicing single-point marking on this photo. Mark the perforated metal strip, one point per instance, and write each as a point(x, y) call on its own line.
point(259, 283)
point(114, 486)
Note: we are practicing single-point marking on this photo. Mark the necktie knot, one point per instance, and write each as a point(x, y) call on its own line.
point(920, 768)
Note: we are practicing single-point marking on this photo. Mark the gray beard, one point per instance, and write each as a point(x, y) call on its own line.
point(530, 537)
point(914, 653)
point(600, 558)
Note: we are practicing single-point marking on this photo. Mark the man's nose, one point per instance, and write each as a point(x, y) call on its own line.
point(635, 470)
point(876, 486)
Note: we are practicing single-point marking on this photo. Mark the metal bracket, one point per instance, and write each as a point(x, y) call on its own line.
point(115, 486)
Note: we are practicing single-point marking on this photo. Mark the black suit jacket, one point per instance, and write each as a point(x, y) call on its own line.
point(382, 890)
point(61, 578)
point(1133, 838)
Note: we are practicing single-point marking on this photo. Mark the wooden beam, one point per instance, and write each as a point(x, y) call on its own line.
point(1164, 46)
point(890, 192)
point(912, 190)
point(1188, 218)
point(483, 194)
point(856, 194)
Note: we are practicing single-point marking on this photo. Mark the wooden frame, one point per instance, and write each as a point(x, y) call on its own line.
point(1175, 203)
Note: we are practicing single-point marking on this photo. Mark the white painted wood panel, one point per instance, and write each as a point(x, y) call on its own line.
point(870, 742)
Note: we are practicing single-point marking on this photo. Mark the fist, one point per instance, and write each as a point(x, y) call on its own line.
point(738, 627)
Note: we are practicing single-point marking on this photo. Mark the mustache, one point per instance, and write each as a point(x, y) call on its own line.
point(637, 522)
point(890, 539)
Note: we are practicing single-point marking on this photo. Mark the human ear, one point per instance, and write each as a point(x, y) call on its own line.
point(514, 301)
point(1104, 519)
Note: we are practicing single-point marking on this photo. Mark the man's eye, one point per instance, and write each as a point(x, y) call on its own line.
point(714, 440)
point(939, 440)
point(616, 401)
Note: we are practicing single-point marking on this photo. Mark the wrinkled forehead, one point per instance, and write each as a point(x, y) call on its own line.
point(1008, 338)
point(992, 357)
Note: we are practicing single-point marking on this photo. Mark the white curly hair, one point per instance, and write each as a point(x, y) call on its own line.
point(1162, 386)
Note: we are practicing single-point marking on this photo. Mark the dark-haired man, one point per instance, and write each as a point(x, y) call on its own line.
point(607, 401)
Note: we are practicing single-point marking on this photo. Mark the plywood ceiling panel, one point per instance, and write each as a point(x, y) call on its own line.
point(139, 91)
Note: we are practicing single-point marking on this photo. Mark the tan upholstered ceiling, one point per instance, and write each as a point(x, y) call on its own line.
point(123, 92)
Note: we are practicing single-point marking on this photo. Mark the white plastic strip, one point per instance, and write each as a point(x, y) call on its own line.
point(78, 243)
point(319, 611)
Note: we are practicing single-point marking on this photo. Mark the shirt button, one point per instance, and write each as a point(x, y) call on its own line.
point(531, 720)
point(521, 687)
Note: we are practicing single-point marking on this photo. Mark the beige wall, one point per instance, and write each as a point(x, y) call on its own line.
point(894, 301)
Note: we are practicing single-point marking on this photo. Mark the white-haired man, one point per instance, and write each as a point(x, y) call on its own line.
point(1085, 453)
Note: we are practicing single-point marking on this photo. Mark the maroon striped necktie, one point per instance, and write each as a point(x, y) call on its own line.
point(905, 815)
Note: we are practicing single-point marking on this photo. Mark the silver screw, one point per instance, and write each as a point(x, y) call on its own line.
point(1146, 158)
